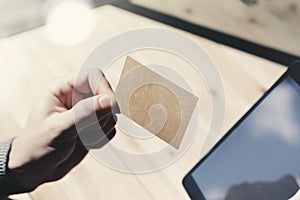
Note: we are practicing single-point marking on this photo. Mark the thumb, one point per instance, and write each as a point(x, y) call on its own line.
point(86, 107)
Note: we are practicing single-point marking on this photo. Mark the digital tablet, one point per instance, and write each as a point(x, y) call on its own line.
point(259, 158)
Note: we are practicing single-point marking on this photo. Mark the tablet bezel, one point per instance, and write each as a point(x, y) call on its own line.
point(188, 181)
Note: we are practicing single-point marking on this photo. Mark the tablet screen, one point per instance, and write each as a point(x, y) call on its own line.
point(261, 157)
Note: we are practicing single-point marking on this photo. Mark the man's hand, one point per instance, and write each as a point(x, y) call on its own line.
point(49, 147)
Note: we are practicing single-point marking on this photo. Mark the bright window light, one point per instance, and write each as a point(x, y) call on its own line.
point(70, 23)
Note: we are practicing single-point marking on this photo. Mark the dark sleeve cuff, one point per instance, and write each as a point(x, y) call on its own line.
point(7, 186)
point(4, 151)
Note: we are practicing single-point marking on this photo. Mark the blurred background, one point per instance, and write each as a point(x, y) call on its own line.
point(273, 23)
point(21, 15)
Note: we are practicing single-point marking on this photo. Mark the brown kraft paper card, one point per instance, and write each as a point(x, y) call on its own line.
point(155, 103)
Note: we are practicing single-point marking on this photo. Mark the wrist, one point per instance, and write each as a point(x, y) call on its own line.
point(9, 185)
point(14, 162)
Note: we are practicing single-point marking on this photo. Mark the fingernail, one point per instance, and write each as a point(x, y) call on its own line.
point(105, 101)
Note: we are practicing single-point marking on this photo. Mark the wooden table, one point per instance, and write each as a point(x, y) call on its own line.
point(29, 60)
point(270, 23)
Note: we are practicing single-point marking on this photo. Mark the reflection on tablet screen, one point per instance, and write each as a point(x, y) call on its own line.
point(261, 157)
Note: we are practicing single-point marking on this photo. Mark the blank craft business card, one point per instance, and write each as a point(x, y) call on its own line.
point(154, 103)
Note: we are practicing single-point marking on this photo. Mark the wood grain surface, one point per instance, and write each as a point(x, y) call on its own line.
point(270, 23)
